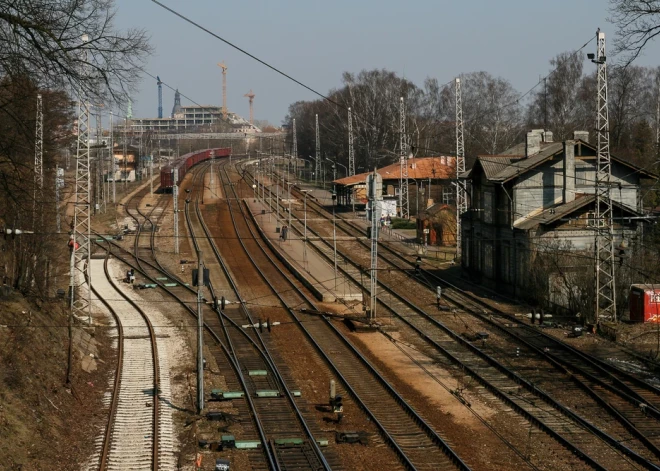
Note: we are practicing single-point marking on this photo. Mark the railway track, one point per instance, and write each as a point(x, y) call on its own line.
point(415, 442)
point(283, 425)
point(132, 436)
point(571, 426)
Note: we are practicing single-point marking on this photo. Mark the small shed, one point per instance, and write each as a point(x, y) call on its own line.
point(437, 225)
point(644, 301)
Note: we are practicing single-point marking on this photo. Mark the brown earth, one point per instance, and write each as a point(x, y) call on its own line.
point(45, 424)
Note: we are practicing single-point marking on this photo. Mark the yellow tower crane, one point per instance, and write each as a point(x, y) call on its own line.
point(224, 89)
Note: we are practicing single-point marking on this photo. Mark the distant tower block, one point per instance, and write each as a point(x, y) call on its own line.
point(251, 96)
point(223, 66)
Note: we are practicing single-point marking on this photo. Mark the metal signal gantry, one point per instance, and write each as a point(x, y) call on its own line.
point(605, 303)
point(404, 203)
point(461, 193)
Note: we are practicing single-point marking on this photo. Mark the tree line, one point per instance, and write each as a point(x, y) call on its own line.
point(496, 115)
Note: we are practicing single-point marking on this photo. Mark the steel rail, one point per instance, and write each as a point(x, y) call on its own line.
point(156, 371)
point(603, 435)
point(264, 352)
point(421, 422)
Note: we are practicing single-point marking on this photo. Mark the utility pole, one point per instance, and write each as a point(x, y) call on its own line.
point(175, 205)
point(151, 174)
point(317, 157)
point(80, 246)
point(461, 194)
point(604, 244)
point(200, 333)
point(38, 160)
point(404, 203)
point(351, 153)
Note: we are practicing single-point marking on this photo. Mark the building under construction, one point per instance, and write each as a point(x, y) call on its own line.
point(194, 119)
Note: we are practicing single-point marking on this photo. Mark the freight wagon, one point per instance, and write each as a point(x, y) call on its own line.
point(185, 162)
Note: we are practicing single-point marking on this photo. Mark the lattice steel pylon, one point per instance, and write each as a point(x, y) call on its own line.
point(461, 193)
point(38, 159)
point(351, 151)
point(294, 152)
point(605, 305)
point(80, 303)
point(404, 203)
point(317, 157)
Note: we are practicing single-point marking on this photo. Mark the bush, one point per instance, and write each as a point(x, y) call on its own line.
point(398, 223)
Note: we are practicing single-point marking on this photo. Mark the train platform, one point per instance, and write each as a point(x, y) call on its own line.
point(307, 265)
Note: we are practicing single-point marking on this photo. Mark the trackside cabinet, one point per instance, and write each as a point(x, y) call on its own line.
point(644, 301)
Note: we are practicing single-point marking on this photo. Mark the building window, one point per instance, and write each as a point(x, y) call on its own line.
point(488, 260)
point(488, 207)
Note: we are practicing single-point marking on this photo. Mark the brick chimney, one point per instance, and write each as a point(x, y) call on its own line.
point(569, 172)
point(533, 143)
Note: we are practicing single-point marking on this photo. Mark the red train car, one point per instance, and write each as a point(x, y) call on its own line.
point(185, 162)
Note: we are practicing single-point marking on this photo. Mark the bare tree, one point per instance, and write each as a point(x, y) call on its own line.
point(43, 39)
point(555, 104)
point(638, 22)
point(492, 113)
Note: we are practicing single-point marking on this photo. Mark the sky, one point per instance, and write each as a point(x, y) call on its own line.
point(315, 42)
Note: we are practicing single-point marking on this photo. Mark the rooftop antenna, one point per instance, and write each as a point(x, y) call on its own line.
point(461, 194)
point(604, 241)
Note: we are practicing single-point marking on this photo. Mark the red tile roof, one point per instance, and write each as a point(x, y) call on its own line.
point(437, 168)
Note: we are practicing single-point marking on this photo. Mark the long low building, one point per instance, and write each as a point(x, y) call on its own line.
point(429, 181)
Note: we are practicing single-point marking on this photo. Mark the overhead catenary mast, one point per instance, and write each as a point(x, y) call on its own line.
point(317, 157)
point(80, 302)
point(461, 193)
point(404, 203)
point(38, 159)
point(605, 307)
point(295, 150)
point(351, 151)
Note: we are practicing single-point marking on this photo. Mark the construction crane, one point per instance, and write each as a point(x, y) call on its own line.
point(224, 91)
point(160, 97)
point(251, 96)
point(604, 244)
